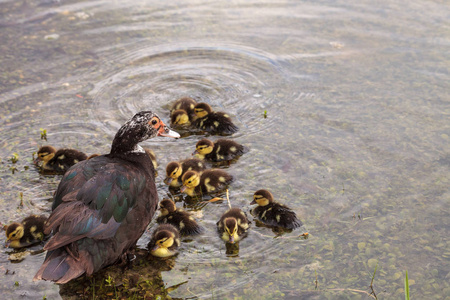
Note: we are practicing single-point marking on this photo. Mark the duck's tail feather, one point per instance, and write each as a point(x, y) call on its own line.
point(59, 267)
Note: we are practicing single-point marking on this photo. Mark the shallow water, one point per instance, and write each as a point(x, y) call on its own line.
point(356, 138)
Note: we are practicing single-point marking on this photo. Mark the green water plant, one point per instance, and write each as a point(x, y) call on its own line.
point(406, 286)
point(43, 133)
point(371, 282)
point(14, 158)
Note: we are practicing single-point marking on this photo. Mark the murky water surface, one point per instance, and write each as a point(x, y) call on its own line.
point(356, 138)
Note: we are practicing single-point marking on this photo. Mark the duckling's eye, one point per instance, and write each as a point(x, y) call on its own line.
point(13, 234)
point(154, 122)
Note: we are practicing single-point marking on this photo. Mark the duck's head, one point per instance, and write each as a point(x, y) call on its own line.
point(165, 239)
point(167, 206)
point(14, 232)
point(173, 171)
point(231, 229)
point(142, 126)
point(262, 197)
point(45, 153)
point(190, 180)
point(180, 117)
point(202, 109)
point(203, 147)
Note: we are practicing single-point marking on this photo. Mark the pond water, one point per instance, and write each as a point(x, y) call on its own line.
point(356, 138)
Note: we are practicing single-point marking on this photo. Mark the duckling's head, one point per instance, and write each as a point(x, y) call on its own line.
point(163, 240)
point(45, 153)
point(190, 180)
point(202, 109)
point(173, 171)
point(262, 197)
point(231, 229)
point(167, 206)
point(180, 117)
point(14, 231)
point(203, 147)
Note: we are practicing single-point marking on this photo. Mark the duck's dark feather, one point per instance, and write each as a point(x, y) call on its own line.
point(275, 214)
point(95, 213)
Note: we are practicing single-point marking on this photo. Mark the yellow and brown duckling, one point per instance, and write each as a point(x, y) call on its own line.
point(152, 156)
point(165, 241)
point(220, 150)
point(58, 161)
point(26, 233)
point(233, 225)
point(183, 220)
point(213, 122)
point(175, 170)
point(182, 112)
point(210, 181)
point(272, 213)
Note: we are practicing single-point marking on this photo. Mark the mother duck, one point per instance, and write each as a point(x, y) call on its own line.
point(103, 205)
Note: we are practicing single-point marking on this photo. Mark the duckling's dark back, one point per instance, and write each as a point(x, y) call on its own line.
point(276, 214)
point(226, 149)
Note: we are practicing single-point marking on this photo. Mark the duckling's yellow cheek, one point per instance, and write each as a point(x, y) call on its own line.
point(216, 123)
point(233, 149)
point(33, 229)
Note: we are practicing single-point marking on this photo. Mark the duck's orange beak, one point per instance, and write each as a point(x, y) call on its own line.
point(166, 131)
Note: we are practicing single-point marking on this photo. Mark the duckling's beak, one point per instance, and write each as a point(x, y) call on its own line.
point(231, 239)
point(155, 248)
point(183, 188)
point(166, 131)
point(168, 180)
point(253, 202)
point(7, 243)
point(195, 152)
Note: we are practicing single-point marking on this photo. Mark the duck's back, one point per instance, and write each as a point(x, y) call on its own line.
point(101, 208)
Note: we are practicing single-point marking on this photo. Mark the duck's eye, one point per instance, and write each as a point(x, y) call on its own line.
point(154, 122)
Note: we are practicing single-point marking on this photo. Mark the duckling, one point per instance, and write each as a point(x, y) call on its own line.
point(183, 220)
point(182, 111)
point(175, 170)
point(209, 181)
point(152, 156)
point(220, 150)
point(272, 213)
point(58, 161)
point(213, 122)
point(233, 225)
point(26, 233)
point(165, 241)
